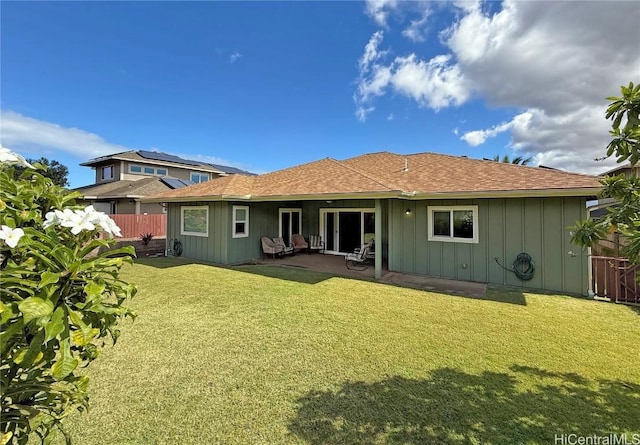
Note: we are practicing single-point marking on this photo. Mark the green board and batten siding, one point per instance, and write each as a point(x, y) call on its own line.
point(220, 247)
point(263, 221)
point(538, 226)
point(210, 248)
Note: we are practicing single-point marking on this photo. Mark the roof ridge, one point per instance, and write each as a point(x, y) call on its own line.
point(363, 173)
point(464, 157)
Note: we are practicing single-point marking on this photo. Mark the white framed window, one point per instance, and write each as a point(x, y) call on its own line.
point(138, 169)
point(198, 177)
point(194, 220)
point(240, 222)
point(107, 172)
point(456, 224)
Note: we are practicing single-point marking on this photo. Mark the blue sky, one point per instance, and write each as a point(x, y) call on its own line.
point(267, 85)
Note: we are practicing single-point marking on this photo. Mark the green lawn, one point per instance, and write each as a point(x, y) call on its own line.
point(272, 355)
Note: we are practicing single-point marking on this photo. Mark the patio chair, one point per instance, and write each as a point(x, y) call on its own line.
point(358, 260)
point(371, 254)
point(316, 244)
point(299, 243)
point(270, 248)
point(286, 250)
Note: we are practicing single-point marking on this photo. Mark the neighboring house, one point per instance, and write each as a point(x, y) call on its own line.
point(611, 245)
point(429, 213)
point(122, 179)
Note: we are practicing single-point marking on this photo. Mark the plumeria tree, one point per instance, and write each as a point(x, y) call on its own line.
point(61, 302)
point(624, 216)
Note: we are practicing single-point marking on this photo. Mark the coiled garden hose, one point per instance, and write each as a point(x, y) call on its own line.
point(176, 249)
point(523, 266)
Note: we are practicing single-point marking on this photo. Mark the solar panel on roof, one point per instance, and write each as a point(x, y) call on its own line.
point(155, 156)
point(227, 169)
point(175, 183)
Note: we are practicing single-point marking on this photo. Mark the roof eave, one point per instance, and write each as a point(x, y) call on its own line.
point(269, 198)
point(202, 167)
point(537, 193)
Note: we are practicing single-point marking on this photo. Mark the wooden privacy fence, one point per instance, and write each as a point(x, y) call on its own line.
point(616, 279)
point(132, 226)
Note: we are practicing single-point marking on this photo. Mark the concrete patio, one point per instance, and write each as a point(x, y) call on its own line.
point(335, 265)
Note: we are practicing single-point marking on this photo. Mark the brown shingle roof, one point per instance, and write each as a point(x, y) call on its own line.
point(383, 174)
point(438, 173)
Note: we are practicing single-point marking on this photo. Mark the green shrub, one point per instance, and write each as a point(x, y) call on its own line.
point(59, 304)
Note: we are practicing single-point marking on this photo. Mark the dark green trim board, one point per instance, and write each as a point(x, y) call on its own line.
point(538, 226)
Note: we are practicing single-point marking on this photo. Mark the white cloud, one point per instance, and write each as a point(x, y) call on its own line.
point(361, 112)
point(32, 135)
point(390, 117)
point(234, 57)
point(379, 10)
point(554, 61)
point(416, 31)
point(478, 137)
point(371, 52)
point(435, 83)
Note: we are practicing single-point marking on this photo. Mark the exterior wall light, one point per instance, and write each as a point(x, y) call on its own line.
point(407, 212)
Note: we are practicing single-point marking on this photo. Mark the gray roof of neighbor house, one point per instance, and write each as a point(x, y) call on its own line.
point(132, 189)
point(159, 158)
point(384, 174)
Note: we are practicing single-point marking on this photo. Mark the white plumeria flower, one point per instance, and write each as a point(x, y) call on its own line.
point(108, 224)
point(51, 219)
point(11, 236)
point(79, 220)
point(9, 157)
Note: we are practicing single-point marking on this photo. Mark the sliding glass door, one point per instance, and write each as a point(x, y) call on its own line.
point(343, 230)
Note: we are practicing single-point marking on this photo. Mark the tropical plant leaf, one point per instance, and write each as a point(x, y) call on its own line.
point(55, 326)
point(34, 307)
point(66, 362)
point(48, 278)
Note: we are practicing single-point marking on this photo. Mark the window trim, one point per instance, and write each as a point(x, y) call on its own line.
point(452, 238)
point(112, 167)
point(182, 231)
point(143, 167)
point(199, 174)
point(244, 234)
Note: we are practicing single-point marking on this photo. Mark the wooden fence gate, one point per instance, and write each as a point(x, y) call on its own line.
point(616, 279)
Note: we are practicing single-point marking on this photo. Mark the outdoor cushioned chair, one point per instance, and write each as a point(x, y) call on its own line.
point(286, 250)
point(357, 260)
point(371, 254)
point(270, 248)
point(299, 243)
point(316, 243)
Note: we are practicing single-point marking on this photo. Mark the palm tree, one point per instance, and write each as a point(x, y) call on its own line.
point(519, 160)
